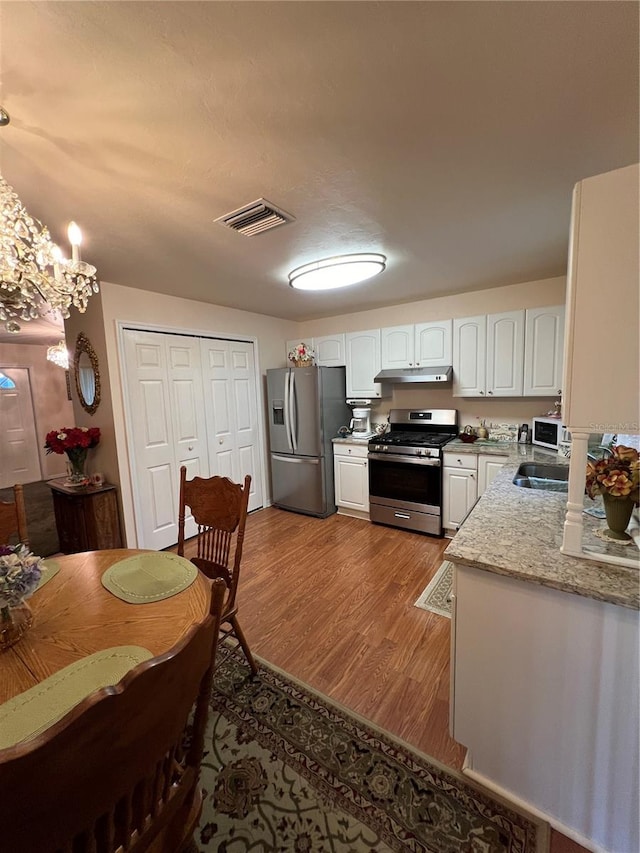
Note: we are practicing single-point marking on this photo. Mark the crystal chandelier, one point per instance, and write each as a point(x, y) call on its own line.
point(35, 278)
point(59, 354)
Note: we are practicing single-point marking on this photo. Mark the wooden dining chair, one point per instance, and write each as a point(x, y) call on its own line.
point(13, 519)
point(119, 772)
point(219, 508)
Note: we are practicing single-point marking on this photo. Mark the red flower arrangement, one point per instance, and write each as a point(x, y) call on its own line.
point(71, 438)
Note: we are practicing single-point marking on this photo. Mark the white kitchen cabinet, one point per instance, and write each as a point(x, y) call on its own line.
point(459, 487)
point(422, 345)
point(330, 350)
point(433, 343)
point(543, 351)
point(351, 475)
point(544, 694)
point(488, 467)
point(469, 356)
point(505, 354)
point(397, 345)
point(363, 364)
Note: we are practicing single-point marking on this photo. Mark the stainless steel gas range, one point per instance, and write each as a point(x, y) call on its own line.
point(405, 469)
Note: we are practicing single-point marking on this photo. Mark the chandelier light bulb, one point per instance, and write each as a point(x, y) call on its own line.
point(75, 238)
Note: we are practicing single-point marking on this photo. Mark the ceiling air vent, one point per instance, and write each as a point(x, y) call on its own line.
point(254, 218)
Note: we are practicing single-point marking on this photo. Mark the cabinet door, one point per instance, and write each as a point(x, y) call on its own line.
point(363, 363)
point(433, 344)
point(505, 354)
point(488, 467)
point(351, 482)
point(330, 351)
point(460, 491)
point(397, 344)
point(543, 351)
point(469, 356)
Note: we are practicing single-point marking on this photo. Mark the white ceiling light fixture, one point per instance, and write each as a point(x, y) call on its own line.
point(339, 271)
point(35, 278)
point(59, 354)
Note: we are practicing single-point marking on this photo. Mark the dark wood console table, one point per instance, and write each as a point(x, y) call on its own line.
point(86, 518)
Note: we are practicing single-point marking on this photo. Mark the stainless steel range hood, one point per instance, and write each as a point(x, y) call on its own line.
point(425, 375)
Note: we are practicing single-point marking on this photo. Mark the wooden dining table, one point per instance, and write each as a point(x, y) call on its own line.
point(75, 616)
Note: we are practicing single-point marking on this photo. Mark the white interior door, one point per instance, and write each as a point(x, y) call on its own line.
point(19, 456)
point(167, 429)
point(232, 412)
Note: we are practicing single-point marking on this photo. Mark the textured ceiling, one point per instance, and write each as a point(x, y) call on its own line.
point(446, 135)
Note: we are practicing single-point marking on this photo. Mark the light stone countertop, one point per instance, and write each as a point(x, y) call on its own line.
point(360, 442)
point(518, 532)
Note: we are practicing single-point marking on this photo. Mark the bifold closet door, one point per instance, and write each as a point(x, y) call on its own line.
point(166, 429)
point(231, 404)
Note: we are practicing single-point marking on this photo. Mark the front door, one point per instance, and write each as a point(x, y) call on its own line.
point(19, 456)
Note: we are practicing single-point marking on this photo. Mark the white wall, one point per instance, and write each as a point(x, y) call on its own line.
point(52, 408)
point(116, 303)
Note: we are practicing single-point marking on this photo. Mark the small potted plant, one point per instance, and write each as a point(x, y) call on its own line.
point(20, 573)
point(617, 478)
point(301, 355)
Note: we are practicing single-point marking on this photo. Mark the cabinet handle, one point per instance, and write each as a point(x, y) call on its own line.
point(559, 390)
point(221, 441)
point(472, 476)
point(482, 392)
point(348, 450)
point(190, 447)
point(489, 392)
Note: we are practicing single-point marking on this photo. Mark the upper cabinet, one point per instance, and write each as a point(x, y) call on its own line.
point(505, 354)
point(601, 370)
point(422, 345)
point(330, 350)
point(543, 351)
point(469, 356)
point(363, 363)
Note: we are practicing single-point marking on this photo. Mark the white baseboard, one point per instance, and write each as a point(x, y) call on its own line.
point(468, 770)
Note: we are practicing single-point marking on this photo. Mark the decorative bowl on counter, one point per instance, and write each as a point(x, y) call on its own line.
point(467, 437)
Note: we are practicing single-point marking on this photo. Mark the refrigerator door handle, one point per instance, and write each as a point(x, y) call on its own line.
point(299, 460)
point(287, 425)
point(293, 425)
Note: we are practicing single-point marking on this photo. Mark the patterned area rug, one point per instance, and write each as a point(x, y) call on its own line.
point(437, 596)
point(287, 770)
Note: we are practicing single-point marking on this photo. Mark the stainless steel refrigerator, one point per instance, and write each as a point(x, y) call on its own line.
point(307, 406)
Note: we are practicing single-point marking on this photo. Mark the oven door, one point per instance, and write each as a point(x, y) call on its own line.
point(405, 482)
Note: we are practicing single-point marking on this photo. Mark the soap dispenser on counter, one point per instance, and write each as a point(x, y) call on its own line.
point(523, 434)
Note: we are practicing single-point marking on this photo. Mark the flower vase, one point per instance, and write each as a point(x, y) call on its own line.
point(618, 509)
point(77, 466)
point(14, 621)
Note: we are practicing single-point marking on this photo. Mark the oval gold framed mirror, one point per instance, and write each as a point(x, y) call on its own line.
point(87, 374)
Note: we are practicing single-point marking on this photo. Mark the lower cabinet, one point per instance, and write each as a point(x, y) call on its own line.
point(351, 474)
point(86, 520)
point(466, 476)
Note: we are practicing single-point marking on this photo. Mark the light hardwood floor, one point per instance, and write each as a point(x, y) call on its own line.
point(330, 601)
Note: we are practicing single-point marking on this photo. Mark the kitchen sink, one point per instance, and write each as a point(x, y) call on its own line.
point(535, 475)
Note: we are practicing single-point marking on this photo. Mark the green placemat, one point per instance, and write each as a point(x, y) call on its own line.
point(50, 569)
point(29, 713)
point(149, 577)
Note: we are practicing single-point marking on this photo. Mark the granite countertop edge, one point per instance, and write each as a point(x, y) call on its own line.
point(518, 532)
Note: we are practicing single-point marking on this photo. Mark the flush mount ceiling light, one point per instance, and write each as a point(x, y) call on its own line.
point(339, 271)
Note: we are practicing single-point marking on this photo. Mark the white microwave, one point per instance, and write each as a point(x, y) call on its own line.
point(549, 433)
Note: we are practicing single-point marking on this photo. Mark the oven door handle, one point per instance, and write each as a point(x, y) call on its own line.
point(408, 460)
